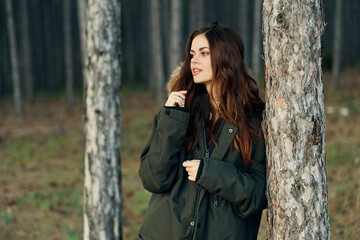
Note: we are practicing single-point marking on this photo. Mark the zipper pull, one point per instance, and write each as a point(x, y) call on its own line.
point(216, 204)
point(207, 155)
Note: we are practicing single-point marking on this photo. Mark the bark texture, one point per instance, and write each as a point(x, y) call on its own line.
point(294, 120)
point(19, 105)
point(102, 188)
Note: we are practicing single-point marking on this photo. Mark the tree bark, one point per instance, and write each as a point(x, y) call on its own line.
point(175, 34)
point(28, 74)
point(337, 44)
point(19, 106)
point(158, 68)
point(256, 58)
point(68, 55)
point(294, 120)
point(102, 188)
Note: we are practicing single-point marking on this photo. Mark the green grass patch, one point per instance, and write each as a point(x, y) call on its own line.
point(341, 152)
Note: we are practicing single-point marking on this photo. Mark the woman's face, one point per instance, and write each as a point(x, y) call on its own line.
point(200, 63)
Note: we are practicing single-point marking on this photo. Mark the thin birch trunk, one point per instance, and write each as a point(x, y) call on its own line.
point(19, 106)
point(294, 121)
point(337, 43)
point(68, 55)
point(102, 188)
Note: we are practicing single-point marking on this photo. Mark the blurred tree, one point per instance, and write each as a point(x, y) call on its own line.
point(244, 27)
point(81, 9)
point(102, 187)
point(68, 54)
point(175, 34)
point(294, 121)
point(19, 106)
point(196, 14)
point(256, 58)
point(337, 43)
point(157, 80)
point(26, 49)
point(129, 40)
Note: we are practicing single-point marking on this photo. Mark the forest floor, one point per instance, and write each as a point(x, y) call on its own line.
point(41, 164)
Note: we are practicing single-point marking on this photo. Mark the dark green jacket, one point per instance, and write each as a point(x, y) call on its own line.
point(225, 202)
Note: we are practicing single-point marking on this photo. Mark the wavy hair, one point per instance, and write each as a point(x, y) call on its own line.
point(239, 100)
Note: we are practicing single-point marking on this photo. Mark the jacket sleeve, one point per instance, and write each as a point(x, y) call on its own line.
point(245, 189)
point(160, 157)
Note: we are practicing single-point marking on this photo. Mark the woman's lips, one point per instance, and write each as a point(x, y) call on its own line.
point(196, 71)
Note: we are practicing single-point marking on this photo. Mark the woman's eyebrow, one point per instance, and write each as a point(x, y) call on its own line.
point(202, 48)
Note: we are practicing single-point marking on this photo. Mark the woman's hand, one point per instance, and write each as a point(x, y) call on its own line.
point(192, 167)
point(176, 99)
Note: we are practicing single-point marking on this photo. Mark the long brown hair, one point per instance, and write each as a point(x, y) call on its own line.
point(239, 92)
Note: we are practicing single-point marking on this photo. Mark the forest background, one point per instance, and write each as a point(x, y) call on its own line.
point(41, 153)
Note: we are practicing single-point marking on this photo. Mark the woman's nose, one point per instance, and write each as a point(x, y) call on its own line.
point(195, 59)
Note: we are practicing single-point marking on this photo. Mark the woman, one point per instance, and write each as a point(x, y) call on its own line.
point(205, 159)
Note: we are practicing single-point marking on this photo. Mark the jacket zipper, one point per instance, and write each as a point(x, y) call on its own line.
point(207, 155)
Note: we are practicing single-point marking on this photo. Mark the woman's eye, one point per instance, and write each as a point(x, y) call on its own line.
point(205, 53)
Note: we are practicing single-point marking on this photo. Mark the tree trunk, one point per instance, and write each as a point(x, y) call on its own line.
point(256, 58)
point(158, 68)
point(196, 15)
point(244, 27)
point(82, 6)
point(175, 34)
point(28, 75)
point(19, 106)
point(102, 188)
point(294, 120)
point(68, 55)
point(337, 43)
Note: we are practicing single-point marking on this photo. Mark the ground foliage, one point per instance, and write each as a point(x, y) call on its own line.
point(41, 164)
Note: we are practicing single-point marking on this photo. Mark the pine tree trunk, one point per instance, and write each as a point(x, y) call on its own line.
point(19, 106)
point(68, 55)
point(337, 43)
point(294, 120)
point(158, 68)
point(175, 34)
point(102, 188)
point(256, 58)
point(28, 75)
